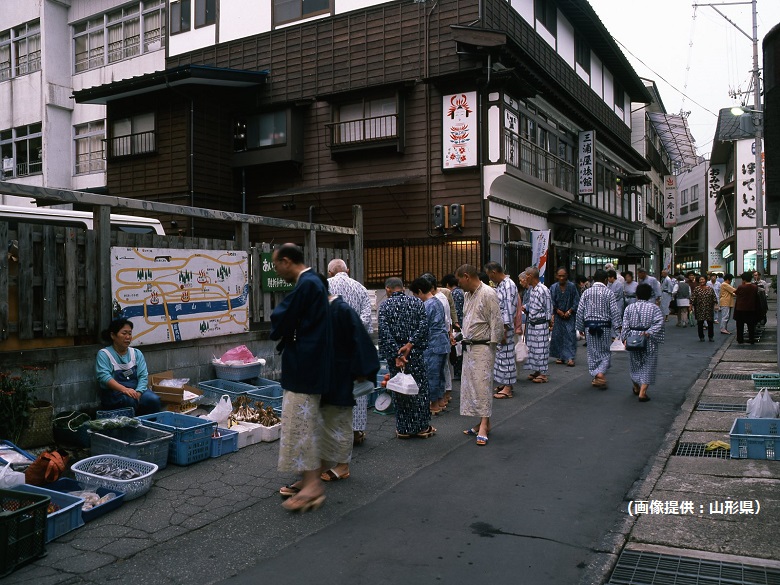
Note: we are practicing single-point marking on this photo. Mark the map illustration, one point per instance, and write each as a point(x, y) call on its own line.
point(172, 294)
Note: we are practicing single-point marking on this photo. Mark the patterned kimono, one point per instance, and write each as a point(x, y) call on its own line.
point(505, 368)
point(402, 319)
point(629, 293)
point(435, 355)
point(538, 312)
point(598, 304)
point(618, 289)
point(481, 322)
point(644, 315)
point(564, 334)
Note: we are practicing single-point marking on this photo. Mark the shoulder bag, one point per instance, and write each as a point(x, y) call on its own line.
point(635, 341)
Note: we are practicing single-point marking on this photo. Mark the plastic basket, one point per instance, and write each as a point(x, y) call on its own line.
point(85, 472)
point(67, 518)
point(268, 392)
point(755, 438)
point(227, 442)
point(766, 380)
point(22, 528)
point(14, 455)
point(238, 373)
point(144, 443)
point(66, 485)
point(191, 435)
point(214, 389)
point(129, 411)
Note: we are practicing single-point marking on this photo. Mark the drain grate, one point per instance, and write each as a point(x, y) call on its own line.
point(731, 376)
point(697, 450)
point(718, 407)
point(648, 568)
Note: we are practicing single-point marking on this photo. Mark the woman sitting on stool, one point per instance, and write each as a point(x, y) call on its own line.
point(122, 373)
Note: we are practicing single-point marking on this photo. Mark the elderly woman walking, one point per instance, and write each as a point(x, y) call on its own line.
point(647, 319)
point(565, 299)
point(704, 302)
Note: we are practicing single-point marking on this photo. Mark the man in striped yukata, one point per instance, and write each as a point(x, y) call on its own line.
point(505, 367)
point(540, 324)
point(600, 319)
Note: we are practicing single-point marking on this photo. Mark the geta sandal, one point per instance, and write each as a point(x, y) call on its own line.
point(540, 379)
point(426, 434)
point(300, 503)
point(500, 395)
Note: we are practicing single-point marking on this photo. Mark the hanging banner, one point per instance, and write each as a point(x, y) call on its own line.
point(670, 201)
point(587, 162)
point(745, 183)
point(541, 243)
point(459, 136)
point(668, 260)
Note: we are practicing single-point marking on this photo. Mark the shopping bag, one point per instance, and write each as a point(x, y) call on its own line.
point(521, 350)
point(617, 345)
point(403, 384)
point(221, 411)
point(10, 478)
point(762, 406)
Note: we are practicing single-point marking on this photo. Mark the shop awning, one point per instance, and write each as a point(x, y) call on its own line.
point(679, 231)
point(676, 137)
point(631, 251)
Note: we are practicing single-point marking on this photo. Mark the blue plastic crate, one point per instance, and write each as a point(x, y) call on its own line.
point(67, 518)
point(227, 442)
point(66, 485)
point(270, 394)
point(12, 454)
point(214, 389)
point(755, 438)
point(142, 443)
point(191, 435)
point(129, 411)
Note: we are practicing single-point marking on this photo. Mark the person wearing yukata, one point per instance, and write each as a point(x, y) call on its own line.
point(449, 310)
point(505, 367)
point(301, 325)
point(451, 283)
point(600, 320)
point(629, 289)
point(354, 360)
point(540, 323)
point(356, 296)
point(482, 330)
point(642, 276)
point(565, 298)
point(667, 285)
point(617, 287)
point(647, 319)
point(403, 337)
point(438, 350)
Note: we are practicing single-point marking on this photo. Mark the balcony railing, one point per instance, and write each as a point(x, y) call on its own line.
point(132, 144)
point(32, 168)
point(364, 131)
point(537, 162)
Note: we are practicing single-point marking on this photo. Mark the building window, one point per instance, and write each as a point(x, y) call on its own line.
point(205, 12)
point(27, 48)
point(128, 32)
point(684, 197)
point(133, 135)
point(261, 130)
point(291, 10)
point(547, 15)
point(582, 53)
point(5, 55)
point(21, 151)
point(90, 147)
point(180, 16)
point(365, 121)
point(694, 193)
point(620, 97)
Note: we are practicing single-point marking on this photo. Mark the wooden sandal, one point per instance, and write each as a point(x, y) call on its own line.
point(540, 379)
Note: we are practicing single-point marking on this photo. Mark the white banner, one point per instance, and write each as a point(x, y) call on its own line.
point(587, 162)
point(541, 245)
point(670, 201)
point(459, 136)
point(745, 184)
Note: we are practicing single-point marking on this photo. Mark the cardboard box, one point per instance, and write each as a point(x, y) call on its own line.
point(171, 396)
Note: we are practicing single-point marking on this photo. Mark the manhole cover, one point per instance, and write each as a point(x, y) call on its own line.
point(731, 376)
point(698, 450)
point(648, 568)
point(718, 407)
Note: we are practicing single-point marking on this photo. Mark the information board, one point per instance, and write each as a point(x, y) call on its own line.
point(172, 294)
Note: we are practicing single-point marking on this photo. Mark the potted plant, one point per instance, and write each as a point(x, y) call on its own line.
point(17, 402)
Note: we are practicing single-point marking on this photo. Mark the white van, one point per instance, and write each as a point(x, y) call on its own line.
point(122, 223)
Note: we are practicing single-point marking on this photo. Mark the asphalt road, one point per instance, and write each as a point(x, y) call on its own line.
point(530, 507)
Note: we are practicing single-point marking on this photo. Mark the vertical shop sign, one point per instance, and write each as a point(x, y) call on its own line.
point(670, 201)
point(587, 162)
point(745, 184)
point(459, 148)
point(541, 244)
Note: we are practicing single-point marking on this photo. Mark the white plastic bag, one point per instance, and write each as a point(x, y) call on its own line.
point(762, 406)
point(221, 412)
point(403, 384)
point(617, 345)
point(10, 478)
point(521, 350)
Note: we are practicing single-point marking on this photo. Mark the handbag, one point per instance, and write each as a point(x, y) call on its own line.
point(635, 341)
point(403, 384)
point(521, 350)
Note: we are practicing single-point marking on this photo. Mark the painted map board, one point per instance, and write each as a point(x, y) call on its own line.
point(173, 294)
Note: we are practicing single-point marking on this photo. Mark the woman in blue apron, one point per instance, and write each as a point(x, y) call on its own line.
point(122, 373)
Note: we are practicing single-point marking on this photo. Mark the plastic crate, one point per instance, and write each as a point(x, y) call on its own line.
point(191, 435)
point(67, 518)
point(85, 472)
point(213, 390)
point(766, 380)
point(22, 531)
point(237, 373)
point(144, 443)
point(66, 485)
point(14, 455)
point(129, 411)
point(755, 438)
point(268, 392)
point(227, 442)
